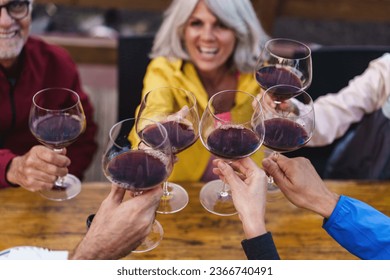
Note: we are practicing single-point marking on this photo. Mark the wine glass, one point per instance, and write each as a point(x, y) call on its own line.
point(289, 124)
point(139, 165)
point(176, 110)
point(284, 61)
point(231, 128)
point(288, 62)
point(56, 120)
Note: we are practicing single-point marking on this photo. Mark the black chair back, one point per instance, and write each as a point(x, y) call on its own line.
point(334, 66)
point(133, 59)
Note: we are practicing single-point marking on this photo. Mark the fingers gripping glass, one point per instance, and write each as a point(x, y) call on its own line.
point(17, 9)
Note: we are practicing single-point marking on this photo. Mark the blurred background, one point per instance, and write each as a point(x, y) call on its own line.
point(89, 30)
point(328, 22)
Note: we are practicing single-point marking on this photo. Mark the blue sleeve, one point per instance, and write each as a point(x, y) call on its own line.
point(360, 228)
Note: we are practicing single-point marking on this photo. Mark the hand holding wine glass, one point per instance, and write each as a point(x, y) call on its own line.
point(230, 133)
point(289, 124)
point(130, 220)
point(57, 125)
point(176, 110)
point(139, 165)
point(247, 181)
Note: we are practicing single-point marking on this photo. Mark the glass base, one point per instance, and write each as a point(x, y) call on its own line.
point(174, 201)
point(152, 240)
point(215, 201)
point(71, 188)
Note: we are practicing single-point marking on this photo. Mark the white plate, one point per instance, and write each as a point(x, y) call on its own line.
point(32, 253)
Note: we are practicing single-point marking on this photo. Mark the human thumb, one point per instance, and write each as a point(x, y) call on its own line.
point(272, 168)
point(230, 176)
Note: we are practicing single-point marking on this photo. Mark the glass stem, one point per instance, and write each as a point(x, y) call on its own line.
point(165, 189)
point(271, 184)
point(60, 180)
point(225, 190)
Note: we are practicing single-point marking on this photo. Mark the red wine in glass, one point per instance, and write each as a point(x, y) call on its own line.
point(180, 135)
point(284, 61)
point(232, 142)
point(270, 76)
point(284, 135)
point(57, 131)
point(138, 170)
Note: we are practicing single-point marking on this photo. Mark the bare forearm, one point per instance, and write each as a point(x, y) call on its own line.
point(84, 251)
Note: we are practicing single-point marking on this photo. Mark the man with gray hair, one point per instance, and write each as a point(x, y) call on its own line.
point(27, 65)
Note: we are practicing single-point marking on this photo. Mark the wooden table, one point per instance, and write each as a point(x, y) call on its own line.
point(193, 233)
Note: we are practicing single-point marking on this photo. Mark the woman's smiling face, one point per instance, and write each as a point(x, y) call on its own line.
point(208, 41)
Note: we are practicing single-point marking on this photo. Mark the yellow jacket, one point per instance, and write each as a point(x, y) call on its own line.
point(161, 72)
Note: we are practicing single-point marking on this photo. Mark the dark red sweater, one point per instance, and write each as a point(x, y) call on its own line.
point(42, 66)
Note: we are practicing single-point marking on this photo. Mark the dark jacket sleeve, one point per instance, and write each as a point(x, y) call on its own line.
point(260, 248)
point(5, 158)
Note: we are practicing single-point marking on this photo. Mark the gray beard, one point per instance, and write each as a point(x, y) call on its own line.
point(12, 49)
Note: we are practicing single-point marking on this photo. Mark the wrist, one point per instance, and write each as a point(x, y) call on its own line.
point(327, 204)
point(254, 228)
